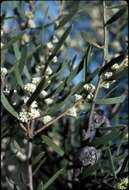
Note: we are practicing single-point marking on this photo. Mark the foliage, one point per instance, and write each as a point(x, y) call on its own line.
point(64, 74)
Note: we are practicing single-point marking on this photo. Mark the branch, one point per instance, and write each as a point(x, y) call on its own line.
point(105, 59)
point(30, 147)
point(56, 119)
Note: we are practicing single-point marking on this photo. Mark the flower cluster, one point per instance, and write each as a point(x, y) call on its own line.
point(90, 88)
point(72, 111)
point(25, 39)
point(32, 113)
point(50, 46)
point(30, 88)
point(31, 23)
point(46, 119)
point(123, 184)
point(3, 72)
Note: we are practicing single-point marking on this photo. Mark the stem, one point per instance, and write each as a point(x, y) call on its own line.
point(30, 147)
point(30, 174)
point(51, 122)
point(56, 119)
point(105, 59)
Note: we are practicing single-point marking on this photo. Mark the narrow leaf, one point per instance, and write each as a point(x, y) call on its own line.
point(115, 100)
point(23, 58)
point(116, 16)
point(111, 164)
point(86, 61)
point(12, 41)
point(49, 142)
point(18, 75)
point(117, 59)
point(41, 84)
point(53, 178)
point(38, 158)
point(8, 106)
point(91, 40)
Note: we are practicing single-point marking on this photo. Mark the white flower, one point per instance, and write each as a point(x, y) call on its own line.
point(11, 168)
point(42, 59)
point(36, 80)
point(3, 72)
point(89, 87)
point(21, 156)
point(105, 85)
point(115, 67)
point(29, 14)
point(126, 61)
point(55, 39)
point(46, 119)
point(31, 23)
point(25, 99)
point(39, 68)
point(2, 32)
point(2, 45)
point(107, 75)
point(34, 104)
point(49, 70)
point(34, 113)
point(90, 96)
point(50, 45)
point(25, 39)
point(24, 116)
point(92, 88)
point(44, 93)
point(55, 60)
point(30, 87)
point(49, 101)
point(77, 97)
point(72, 112)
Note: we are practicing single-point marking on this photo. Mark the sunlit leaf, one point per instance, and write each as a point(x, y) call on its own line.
point(53, 178)
point(114, 100)
point(50, 143)
point(8, 106)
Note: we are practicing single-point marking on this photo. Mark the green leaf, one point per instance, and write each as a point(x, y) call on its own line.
point(53, 178)
point(40, 187)
point(16, 51)
point(23, 58)
point(41, 84)
point(38, 166)
point(86, 61)
point(119, 74)
point(18, 75)
point(7, 106)
point(33, 51)
point(117, 59)
point(104, 140)
point(75, 71)
point(91, 40)
point(116, 16)
point(114, 100)
point(111, 163)
point(38, 158)
point(12, 41)
point(49, 142)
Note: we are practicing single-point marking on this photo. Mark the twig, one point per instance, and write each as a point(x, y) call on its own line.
point(56, 119)
point(51, 122)
point(105, 58)
point(30, 147)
